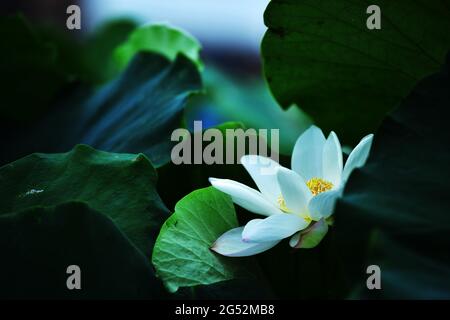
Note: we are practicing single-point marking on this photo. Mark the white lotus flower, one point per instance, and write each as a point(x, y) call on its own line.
point(296, 202)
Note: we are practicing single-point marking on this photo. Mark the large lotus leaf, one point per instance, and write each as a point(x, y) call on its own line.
point(121, 186)
point(398, 203)
point(38, 244)
point(321, 56)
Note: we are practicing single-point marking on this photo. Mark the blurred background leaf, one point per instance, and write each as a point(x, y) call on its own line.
point(99, 47)
point(159, 38)
point(229, 97)
point(136, 112)
point(89, 60)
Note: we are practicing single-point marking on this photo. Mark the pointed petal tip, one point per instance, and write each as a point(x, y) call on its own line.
point(256, 160)
point(216, 182)
point(313, 129)
point(244, 158)
point(367, 138)
point(212, 180)
point(332, 159)
point(247, 158)
point(217, 250)
point(358, 157)
point(307, 154)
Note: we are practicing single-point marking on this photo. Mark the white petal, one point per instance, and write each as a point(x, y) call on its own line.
point(322, 205)
point(245, 197)
point(264, 172)
point(273, 228)
point(295, 192)
point(230, 244)
point(358, 156)
point(307, 154)
point(332, 160)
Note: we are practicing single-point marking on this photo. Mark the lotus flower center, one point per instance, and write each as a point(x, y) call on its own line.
point(318, 185)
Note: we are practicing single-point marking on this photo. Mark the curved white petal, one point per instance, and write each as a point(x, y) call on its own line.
point(332, 160)
point(358, 156)
point(322, 205)
point(245, 197)
point(307, 154)
point(264, 172)
point(295, 192)
point(273, 228)
point(230, 244)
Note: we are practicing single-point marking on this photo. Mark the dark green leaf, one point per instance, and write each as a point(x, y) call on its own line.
point(37, 246)
point(321, 56)
point(121, 186)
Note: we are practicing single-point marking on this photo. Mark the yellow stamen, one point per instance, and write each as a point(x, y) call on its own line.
point(282, 204)
point(318, 185)
point(284, 208)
